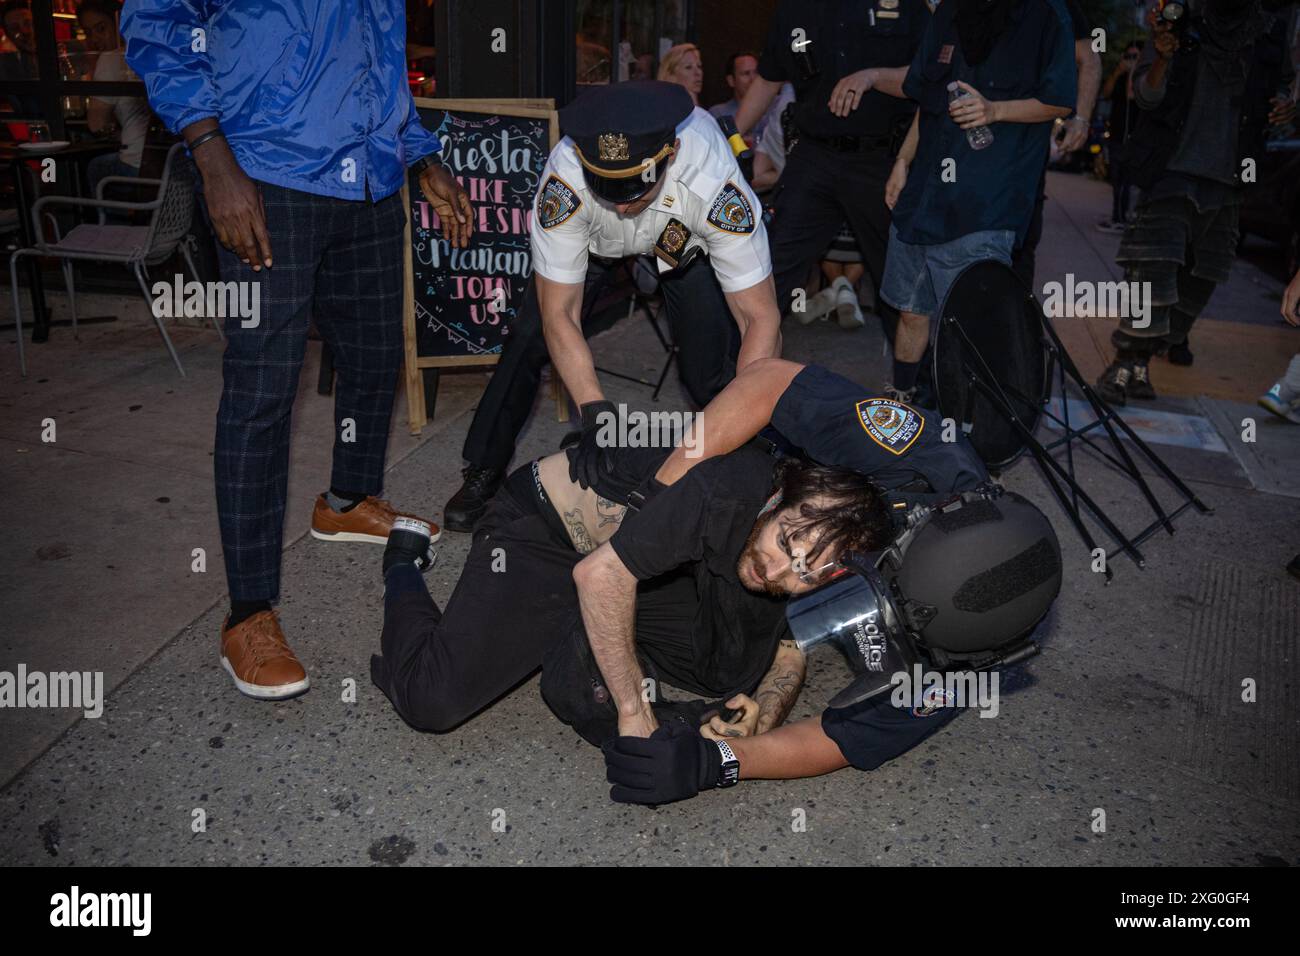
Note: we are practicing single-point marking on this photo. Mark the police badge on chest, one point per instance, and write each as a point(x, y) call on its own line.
point(670, 247)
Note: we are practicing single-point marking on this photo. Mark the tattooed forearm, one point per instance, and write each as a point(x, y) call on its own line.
point(609, 512)
point(778, 690)
point(578, 533)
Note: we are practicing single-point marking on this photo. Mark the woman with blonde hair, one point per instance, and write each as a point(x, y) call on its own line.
point(682, 65)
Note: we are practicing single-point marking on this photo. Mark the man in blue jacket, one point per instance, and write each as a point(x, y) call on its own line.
point(299, 118)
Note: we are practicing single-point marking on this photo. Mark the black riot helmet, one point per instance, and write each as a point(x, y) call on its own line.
point(963, 585)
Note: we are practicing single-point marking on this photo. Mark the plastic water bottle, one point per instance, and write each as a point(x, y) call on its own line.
point(980, 137)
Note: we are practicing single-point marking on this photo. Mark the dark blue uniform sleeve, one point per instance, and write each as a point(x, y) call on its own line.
point(875, 731)
point(1058, 83)
point(837, 422)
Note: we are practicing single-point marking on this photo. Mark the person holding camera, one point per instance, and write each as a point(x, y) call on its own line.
point(1186, 155)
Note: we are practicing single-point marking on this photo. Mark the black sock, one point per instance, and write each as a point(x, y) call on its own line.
point(343, 501)
point(241, 611)
point(905, 374)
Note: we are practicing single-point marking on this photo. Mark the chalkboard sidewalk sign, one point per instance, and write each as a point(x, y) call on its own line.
point(460, 303)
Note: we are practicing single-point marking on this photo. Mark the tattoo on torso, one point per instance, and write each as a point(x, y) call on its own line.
point(609, 512)
point(578, 532)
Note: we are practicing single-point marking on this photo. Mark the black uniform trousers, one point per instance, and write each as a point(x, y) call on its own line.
point(820, 188)
point(515, 609)
point(699, 321)
point(338, 261)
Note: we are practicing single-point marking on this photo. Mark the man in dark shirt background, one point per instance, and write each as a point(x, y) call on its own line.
point(846, 61)
point(956, 203)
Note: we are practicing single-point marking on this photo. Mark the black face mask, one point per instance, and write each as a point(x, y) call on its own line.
point(980, 24)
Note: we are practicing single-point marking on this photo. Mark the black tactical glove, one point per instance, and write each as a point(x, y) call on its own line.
point(588, 461)
point(673, 763)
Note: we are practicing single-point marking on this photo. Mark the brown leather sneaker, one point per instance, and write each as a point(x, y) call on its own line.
point(257, 657)
point(371, 521)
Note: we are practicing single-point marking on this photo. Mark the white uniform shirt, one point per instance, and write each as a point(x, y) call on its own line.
point(703, 190)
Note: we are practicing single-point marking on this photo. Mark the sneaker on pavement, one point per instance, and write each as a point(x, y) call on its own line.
point(1110, 226)
point(1139, 386)
point(1282, 402)
point(370, 521)
point(1112, 386)
point(904, 395)
point(471, 500)
point(847, 311)
point(817, 307)
point(258, 659)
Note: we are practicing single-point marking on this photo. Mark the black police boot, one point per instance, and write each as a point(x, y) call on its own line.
point(1139, 386)
point(1180, 354)
point(1112, 386)
point(468, 504)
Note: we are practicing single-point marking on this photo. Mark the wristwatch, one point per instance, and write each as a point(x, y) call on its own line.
point(730, 766)
point(421, 164)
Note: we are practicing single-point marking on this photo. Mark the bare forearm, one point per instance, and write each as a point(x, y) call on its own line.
point(1025, 111)
point(759, 319)
point(888, 80)
point(907, 152)
point(571, 357)
point(1089, 64)
point(780, 687)
point(736, 414)
point(801, 749)
point(607, 597)
point(757, 99)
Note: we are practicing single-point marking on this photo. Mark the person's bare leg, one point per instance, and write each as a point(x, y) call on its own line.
point(909, 348)
point(912, 338)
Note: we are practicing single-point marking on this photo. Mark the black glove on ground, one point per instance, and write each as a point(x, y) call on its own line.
point(674, 763)
point(588, 461)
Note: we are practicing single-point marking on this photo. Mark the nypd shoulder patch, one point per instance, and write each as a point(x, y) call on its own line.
point(731, 211)
point(556, 202)
point(892, 425)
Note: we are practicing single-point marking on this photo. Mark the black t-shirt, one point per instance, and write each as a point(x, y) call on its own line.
point(1078, 20)
point(699, 526)
point(843, 37)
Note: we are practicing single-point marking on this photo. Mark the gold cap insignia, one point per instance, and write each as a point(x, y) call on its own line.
point(612, 146)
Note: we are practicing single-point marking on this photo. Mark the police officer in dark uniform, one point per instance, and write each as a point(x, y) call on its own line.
point(641, 171)
point(846, 60)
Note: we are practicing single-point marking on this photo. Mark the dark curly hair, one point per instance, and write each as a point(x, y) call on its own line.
point(854, 516)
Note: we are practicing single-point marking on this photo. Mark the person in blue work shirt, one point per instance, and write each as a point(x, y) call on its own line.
point(301, 124)
point(955, 204)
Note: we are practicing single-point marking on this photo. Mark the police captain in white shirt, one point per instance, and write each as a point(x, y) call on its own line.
point(640, 170)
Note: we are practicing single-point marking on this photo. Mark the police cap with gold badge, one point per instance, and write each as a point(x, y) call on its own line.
point(622, 130)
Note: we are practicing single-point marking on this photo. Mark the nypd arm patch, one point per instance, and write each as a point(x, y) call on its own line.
point(890, 424)
point(731, 211)
point(556, 203)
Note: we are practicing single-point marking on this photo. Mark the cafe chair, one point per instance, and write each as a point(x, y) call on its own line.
point(170, 213)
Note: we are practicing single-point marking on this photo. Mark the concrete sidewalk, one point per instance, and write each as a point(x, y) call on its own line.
point(1134, 708)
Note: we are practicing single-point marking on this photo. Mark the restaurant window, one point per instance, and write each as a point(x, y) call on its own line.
point(620, 40)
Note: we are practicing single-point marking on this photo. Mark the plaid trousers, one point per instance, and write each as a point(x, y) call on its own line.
point(340, 262)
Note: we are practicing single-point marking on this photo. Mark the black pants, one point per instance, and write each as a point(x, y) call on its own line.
point(1024, 258)
point(820, 189)
point(699, 320)
point(515, 609)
